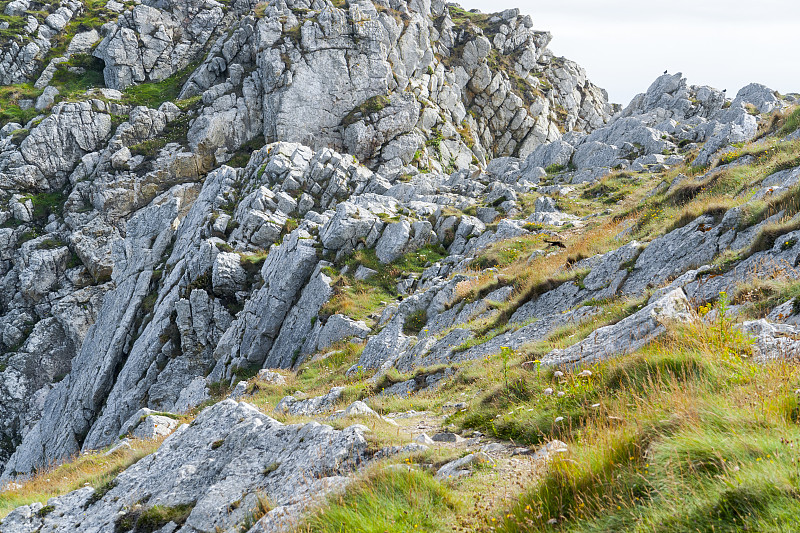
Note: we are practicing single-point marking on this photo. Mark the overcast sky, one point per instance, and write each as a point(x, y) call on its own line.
point(624, 45)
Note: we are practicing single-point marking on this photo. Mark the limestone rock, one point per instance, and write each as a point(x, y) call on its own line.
point(773, 341)
point(292, 465)
point(627, 335)
point(313, 406)
point(463, 467)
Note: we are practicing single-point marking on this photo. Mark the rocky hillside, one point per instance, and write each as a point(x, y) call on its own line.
point(326, 266)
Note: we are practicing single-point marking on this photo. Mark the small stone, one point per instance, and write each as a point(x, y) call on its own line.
point(120, 158)
point(363, 273)
point(423, 438)
point(239, 390)
point(271, 377)
point(454, 406)
point(46, 99)
point(221, 223)
point(463, 467)
point(447, 437)
point(493, 447)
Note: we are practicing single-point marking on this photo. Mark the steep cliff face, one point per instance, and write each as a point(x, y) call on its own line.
point(397, 84)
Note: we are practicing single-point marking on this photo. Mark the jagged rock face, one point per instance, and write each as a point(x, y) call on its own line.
point(21, 56)
point(647, 133)
point(152, 41)
point(104, 232)
point(379, 80)
point(218, 466)
point(628, 335)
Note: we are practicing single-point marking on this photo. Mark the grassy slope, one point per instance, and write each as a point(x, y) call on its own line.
point(95, 469)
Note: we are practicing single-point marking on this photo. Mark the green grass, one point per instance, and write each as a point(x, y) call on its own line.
point(504, 253)
point(715, 191)
point(366, 108)
point(387, 500)
point(610, 189)
point(153, 94)
point(152, 519)
point(46, 204)
point(791, 124)
point(10, 95)
point(174, 132)
point(242, 155)
point(71, 83)
point(687, 435)
point(415, 322)
point(360, 299)
point(760, 296)
point(314, 378)
point(93, 16)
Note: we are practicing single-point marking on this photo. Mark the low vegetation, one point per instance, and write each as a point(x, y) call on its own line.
point(687, 435)
point(96, 469)
point(153, 94)
point(153, 518)
point(387, 500)
point(11, 96)
point(76, 76)
point(359, 299)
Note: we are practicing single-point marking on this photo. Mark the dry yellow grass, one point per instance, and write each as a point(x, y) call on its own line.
point(90, 469)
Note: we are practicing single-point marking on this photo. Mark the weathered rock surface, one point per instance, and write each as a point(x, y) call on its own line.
point(231, 453)
point(628, 335)
point(312, 406)
point(773, 341)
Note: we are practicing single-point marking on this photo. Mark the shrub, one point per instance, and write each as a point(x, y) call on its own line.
point(415, 322)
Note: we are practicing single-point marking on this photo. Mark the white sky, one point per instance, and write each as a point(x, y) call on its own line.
point(624, 44)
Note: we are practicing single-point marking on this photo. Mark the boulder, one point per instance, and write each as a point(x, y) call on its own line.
point(310, 407)
point(464, 466)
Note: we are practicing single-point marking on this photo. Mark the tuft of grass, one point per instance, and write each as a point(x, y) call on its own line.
point(686, 435)
point(153, 94)
point(46, 204)
point(261, 507)
point(504, 253)
point(81, 72)
point(152, 519)
point(366, 108)
point(415, 322)
point(791, 123)
point(715, 190)
point(10, 96)
point(387, 500)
